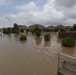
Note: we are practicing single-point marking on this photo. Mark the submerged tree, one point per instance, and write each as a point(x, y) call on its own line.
point(23, 38)
point(37, 31)
point(47, 37)
point(74, 27)
point(15, 28)
point(68, 42)
point(5, 30)
point(21, 30)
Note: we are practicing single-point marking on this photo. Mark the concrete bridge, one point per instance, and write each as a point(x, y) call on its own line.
point(66, 65)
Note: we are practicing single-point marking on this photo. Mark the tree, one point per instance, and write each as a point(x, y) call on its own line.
point(21, 30)
point(16, 25)
point(23, 38)
point(47, 37)
point(74, 27)
point(32, 30)
point(37, 31)
point(62, 30)
point(15, 28)
point(9, 30)
point(5, 30)
point(56, 29)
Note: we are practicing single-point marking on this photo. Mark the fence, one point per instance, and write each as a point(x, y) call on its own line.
point(67, 34)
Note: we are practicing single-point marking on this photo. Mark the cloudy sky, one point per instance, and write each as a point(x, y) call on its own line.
point(47, 12)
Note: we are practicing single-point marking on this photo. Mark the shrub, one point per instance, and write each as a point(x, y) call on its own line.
point(32, 30)
point(5, 30)
point(68, 42)
point(47, 37)
point(62, 30)
point(71, 29)
point(16, 29)
point(74, 27)
point(23, 38)
point(21, 30)
point(38, 33)
point(37, 29)
point(56, 29)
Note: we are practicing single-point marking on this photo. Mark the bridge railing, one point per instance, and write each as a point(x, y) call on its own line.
point(66, 65)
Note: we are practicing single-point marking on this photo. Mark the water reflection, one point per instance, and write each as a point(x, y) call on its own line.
point(22, 42)
point(16, 37)
point(9, 36)
point(47, 43)
point(38, 41)
point(68, 51)
point(1, 35)
point(59, 40)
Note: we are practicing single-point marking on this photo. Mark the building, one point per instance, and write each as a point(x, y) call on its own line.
point(36, 25)
point(50, 28)
point(22, 27)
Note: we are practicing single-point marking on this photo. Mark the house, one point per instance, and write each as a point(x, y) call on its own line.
point(60, 26)
point(68, 28)
point(50, 28)
point(36, 25)
point(22, 27)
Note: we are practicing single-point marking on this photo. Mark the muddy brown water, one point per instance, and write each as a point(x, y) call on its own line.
point(32, 57)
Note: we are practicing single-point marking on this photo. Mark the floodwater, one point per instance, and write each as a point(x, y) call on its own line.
point(32, 57)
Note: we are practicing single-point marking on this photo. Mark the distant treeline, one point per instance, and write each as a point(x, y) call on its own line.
point(19, 28)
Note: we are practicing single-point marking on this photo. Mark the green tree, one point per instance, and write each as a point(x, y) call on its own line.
point(32, 30)
point(71, 29)
point(37, 31)
point(9, 30)
point(16, 28)
point(21, 30)
point(47, 37)
point(5, 30)
point(23, 38)
point(74, 27)
point(56, 29)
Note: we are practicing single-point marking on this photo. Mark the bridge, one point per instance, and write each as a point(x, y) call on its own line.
point(66, 65)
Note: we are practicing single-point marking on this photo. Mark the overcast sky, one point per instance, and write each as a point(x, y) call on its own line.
point(28, 12)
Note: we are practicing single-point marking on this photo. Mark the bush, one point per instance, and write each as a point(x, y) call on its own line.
point(62, 30)
point(74, 27)
point(71, 29)
point(15, 29)
point(68, 42)
point(37, 29)
point(56, 29)
point(32, 30)
point(23, 38)
point(21, 30)
point(5, 30)
point(47, 37)
point(38, 33)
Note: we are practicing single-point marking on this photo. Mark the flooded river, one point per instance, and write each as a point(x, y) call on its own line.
point(32, 57)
